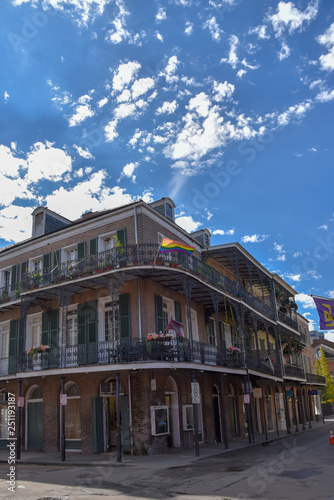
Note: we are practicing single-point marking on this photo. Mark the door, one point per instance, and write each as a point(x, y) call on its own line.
point(35, 426)
point(168, 403)
point(233, 419)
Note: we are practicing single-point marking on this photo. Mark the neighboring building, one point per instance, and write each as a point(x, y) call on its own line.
point(315, 335)
point(328, 347)
point(78, 301)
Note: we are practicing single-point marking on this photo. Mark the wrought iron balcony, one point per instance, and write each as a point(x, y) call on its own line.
point(257, 362)
point(294, 372)
point(133, 350)
point(287, 320)
point(140, 255)
point(311, 378)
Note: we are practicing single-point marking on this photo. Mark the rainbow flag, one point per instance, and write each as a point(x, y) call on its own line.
point(175, 246)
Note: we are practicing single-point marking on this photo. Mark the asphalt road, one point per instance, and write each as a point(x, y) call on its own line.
point(296, 468)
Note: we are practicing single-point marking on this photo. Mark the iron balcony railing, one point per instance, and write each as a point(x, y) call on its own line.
point(287, 320)
point(118, 352)
point(311, 378)
point(264, 363)
point(139, 255)
point(294, 372)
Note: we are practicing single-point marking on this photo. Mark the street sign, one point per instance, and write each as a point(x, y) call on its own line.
point(314, 392)
point(257, 392)
point(63, 399)
point(195, 396)
point(247, 399)
point(20, 402)
point(289, 393)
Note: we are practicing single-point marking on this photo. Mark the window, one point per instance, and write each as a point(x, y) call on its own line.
point(71, 328)
point(69, 254)
point(262, 345)
point(36, 331)
point(222, 335)
point(4, 332)
point(72, 413)
point(109, 331)
point(159, 420)
point(39, 218)
point(6, 279)
point(107, 241)
point(206, 240)
point(169, 211)
point(167, 312)
point(211, 332)
point(188, 417)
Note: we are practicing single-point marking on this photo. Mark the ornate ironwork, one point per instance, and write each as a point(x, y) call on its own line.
point(311, 378)
point(294, 371)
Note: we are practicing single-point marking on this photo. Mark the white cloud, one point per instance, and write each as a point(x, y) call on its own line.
point(305, 301)
point(170, 69)
point(214, 29)
point(161, 15)
point(260, 31)
point(324, 226)
point(290, 18)
point(81, 113)
point(232, 58)
point(297, 254)
point(167, 108)
point(128, 171)
point(125, 74)
point(47, 162)
point(15, 223)
point(189, 28)
point(325, 96)
point(142, 86)
point(223, 90)
point(294, 277)
point(295, 111)
point(254, 238)
point(281, 253)
point(125, 110)
point(159, 36)
point(284, 52)
point(327, 39)
point(222, 232)
point(6, 96)
point(102, 102)
point(110, 131)
point(84, 153)
point(187, 223)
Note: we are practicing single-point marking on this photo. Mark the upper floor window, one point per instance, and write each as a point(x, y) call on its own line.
point(169, 211)
point(34, 330)
point(71, 328)
point(211, 332)
point(4, 332)
point(6, 278)
point(69, 253)
point(107, 241)
point(110, 317)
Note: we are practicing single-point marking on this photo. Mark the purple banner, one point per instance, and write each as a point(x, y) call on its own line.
point(325, 309)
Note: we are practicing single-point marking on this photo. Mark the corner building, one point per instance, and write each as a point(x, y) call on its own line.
point(78, 301)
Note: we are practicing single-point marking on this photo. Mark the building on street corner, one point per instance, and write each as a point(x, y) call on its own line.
point(92, 309)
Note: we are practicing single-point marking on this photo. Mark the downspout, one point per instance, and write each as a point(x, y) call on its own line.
point(138, 279)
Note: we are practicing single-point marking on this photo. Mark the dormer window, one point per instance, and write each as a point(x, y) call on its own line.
point(39, 218)
point(169, 211)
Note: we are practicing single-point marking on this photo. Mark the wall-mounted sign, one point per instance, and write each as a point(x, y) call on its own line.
point(289, 393)
point(20, 401)
point(314, 392)
point(247, 399)
point(63, 399)
point(257, 392)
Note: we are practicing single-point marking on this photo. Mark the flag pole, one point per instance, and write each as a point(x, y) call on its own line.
point(156, 255)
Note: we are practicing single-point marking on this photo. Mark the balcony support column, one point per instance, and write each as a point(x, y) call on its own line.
point(223, 407)
point(286, 407)
point(302, 406)
point(310, 409)
point(256, 341)
point(215, 300)
point(264, 412)
point(294, 411)
point(20, 359)
point(239, 312)
point(275, 410)
point(187, 287)
point(64, 303)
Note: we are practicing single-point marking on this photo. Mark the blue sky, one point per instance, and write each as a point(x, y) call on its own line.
point(226, 106)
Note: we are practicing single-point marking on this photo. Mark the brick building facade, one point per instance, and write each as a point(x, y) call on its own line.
point(78, 301)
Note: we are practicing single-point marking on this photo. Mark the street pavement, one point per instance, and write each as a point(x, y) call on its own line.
point(172, 457)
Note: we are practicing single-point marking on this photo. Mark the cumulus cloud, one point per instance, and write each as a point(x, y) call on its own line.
point(254, 238)
point(222, 232)
point(125, 74)
point(212, 25)
point(81, 113)
point(327, 39)
point(141, 86)
point(187, 223)
point(288, 17)
point(128, 171)
point(47, 162)
point(84, 153)
point(170, 69)
point(167, 108)
point(15, 223)
point(305, 301)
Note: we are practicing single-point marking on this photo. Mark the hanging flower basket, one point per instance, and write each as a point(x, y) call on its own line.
point(33, 351)
point(234, 351)
point(158, 336)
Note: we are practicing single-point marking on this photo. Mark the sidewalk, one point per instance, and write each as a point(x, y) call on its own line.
point(172, 458)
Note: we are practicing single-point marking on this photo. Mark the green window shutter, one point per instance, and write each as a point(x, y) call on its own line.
point(121, 236)
point(124, 316)
point(56, 258)
point(178, 315)
point(46, 262)
point(93, 246)
point(14, 276)
point(159, 321)
point(92, 321)
point(54, 326)
point(24, 268)
point(81, 250)
point(82, 323)
point(45, 328)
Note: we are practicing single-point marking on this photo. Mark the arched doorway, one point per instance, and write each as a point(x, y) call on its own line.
point(172, 402)
point(34, 425)
point(216, 414)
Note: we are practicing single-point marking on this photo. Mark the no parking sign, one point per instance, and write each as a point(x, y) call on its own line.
point(195, 396)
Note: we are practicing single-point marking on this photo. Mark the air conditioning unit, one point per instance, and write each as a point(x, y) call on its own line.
point(3, 398)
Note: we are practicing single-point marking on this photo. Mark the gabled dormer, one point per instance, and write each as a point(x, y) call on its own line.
point(46, 221)
point(165, 207)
